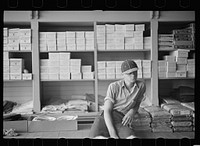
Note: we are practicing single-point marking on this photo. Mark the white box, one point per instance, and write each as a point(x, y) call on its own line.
point(75, 69)
point(13, 40)
point(61, 42)
point(13, 32)
point(42, 41)
point(130, 27)
point(5, 32)
point(64, 69)
point(129, 46)
point(64, 76)
point(146, 75)
point(101, 40)
point(181, 73)
point(111, 64)
point(101, 46)
point(101, 76)
point(6, 69)
point(75, 62)
point(53, 76)
point(162, 69)
point(146, 63)
point(54, 56)
point(76, 76)
point(139, 27)
point(120, 27)
point(80, 41)
point(71, 40)
point(51, 42)
point(43, 35)
point(54, 69)
point(65, 63)
point(138, 33)
point(25, 40)
point(110, 70)
point(89, 47)
point(171, 69)
point(5, 40)
point(71, 47)
point(162, 74)
point(146, 69)
point(44, 69)
point(101, 64)
point(170, 74)
point(25, 32)
point(80, 34)
point(64, 56)
point(129, 33)
point(44, 62)
point(190, 61)
point(27, 76)
point(51, 35)
point(16, 69)
point(180, 53)
point(5, 47)
point(88, 75)
point(118, 70)
point(138, 39)
point(181, 60)
point(25, 47)
point(86, 68)
point(14, 47)
point(15, 76)
point(129, 40)
point(70, 34)
point(62, 48)
point(44, 76)
point(181, 67)
point(54, 63)
point(190, 67)
point(80, 47)
point(16, 61)
point(51, 47)
point(60, 35)
point(171, 65)
point(6, 76)
point(89, 41)
point(110, 28)
point(101, 70)
point(101, 28)
point(110, 76)
point(139, 46)
point(162, 63)
point(118, 76)
point(169, 58)
point(6, 62)
point(89, 34)
point(110, 46)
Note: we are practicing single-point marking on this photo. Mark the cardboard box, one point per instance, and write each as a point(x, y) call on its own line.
point(51, 35)
point(162, 74)
point(64, 76)
point(13, 47)
point(64, 69)
point(138, 33)
point(71, 47)
point(129, 40)
point(64, 63)
point(13, 32)
point(180, 53)
point(86, 68)
point(16, 69)
point(118, 70)
point(6, 62)
point(80, 47)
point(53, 76)
point(146, 69)
point(64, 56)
point(190, 61)
point(171, 69)
point(110, 63)
point(138, 40)
point(130, 27)
point(80, 34)
point(71, 40)
point(181, 67)
point(54, 69)
point(89, 34)
point(101, 46)
point(60, 35)
point(76, 76)
point(129, 33)
point(51, 47)
point(89, 47)
point(101, 76)
point(25, 32)
point(5, 55)
point(6, 76)
point(62, 48)
point(146, 63)
point(110, 76)
point(6, 69)
point(15, 76)
point(88, 75)
point(42, 126)
point(101, 64)
point(5, 40)
point(70, 34)
point(162, 69)
point(162, 63)
point(191, 75)
point(75, 69)
point(16, 61)
point(170, 74)
point(54, 63)
point(110, 70)
point(42, 35)
point(5, 32)
point(171, 65)
point(139, 27)
point(146, 74)
point(25, 47)
point(25, 40)
point(54, 56)
point(101, 28)
point(118, 76)
point(27, 76)
point(61, 42)
point(101, 70)
point(181, 60)
point(44, 69)
point(120, 27)
point(44, 62)
point(110, 28)
point(43, 48)
point(19, 126)
point(181, 73)
point(139, 46)
point(44, 76)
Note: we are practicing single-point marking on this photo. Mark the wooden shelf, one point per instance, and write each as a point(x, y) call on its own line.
point(134, 50)
point(176, 78)
point(18, 51)
point(17, 80)
point(86, 51)
point(82, 80)
point(120, 79)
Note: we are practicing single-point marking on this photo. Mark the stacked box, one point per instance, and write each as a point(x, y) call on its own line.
point(80, 40)
point(139, 65)
point(16, 67)
point(119, 37)
point(165, 42)
point(147, 43)
point(101, 69)
point(25, 39)
point(87, 72)
point(75, 69)
point(110, 69)
point(6, 63)
point(71, 40)
point(64, 68)
point(138, 36)
point(89, 40)
point(51, 41)
point(101, 38)
point(162, 68)
point(42, 41)
point(146, 68)
point(61, 41)
point(118, 71)
point(191, 67)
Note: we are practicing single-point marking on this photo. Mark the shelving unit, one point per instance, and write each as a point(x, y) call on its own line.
point(57, 21)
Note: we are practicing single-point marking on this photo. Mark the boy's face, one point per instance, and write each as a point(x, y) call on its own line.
point(130, 77)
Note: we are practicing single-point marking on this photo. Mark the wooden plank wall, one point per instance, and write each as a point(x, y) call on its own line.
point(17, 91)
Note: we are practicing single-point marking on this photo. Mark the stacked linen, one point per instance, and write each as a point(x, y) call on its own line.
point(181, 117)
point(141, 121)
point(160, 121)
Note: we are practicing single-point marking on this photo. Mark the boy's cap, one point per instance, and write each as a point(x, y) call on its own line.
point(129, 66)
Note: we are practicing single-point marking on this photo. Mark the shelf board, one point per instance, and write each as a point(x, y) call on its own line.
point(174, 50)
point(82, 80)
point(19, 51)
point(17, 80)
point(68, 51)
point(120, 79)
point(177, 78)
point(134, 50)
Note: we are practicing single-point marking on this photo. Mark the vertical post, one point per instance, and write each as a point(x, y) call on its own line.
point(95, 67)
point(154, 58)
point(35, 65)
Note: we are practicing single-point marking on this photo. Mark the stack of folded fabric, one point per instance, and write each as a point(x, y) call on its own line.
point(77, 105)
point(141, 121)
point(181, 119)
point(160, 121)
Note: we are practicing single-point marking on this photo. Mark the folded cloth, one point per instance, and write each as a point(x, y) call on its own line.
point(44, 118)
point(160, 119)
point(134, 124)
point(181, 118)
point(189, 105)
point(25, 108)
point(156, 111)
point(169, 100)
point(142, 128)
point(182, 123)
point(162, 129)
point(158, 124)
point(12, 117)
point(182, 128)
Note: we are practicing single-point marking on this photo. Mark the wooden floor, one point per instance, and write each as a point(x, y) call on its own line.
point(84, 131)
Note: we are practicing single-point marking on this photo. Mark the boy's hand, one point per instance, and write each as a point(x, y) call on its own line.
point(128, 118)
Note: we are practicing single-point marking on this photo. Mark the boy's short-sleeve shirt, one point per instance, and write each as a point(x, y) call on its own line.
point(122, 99)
